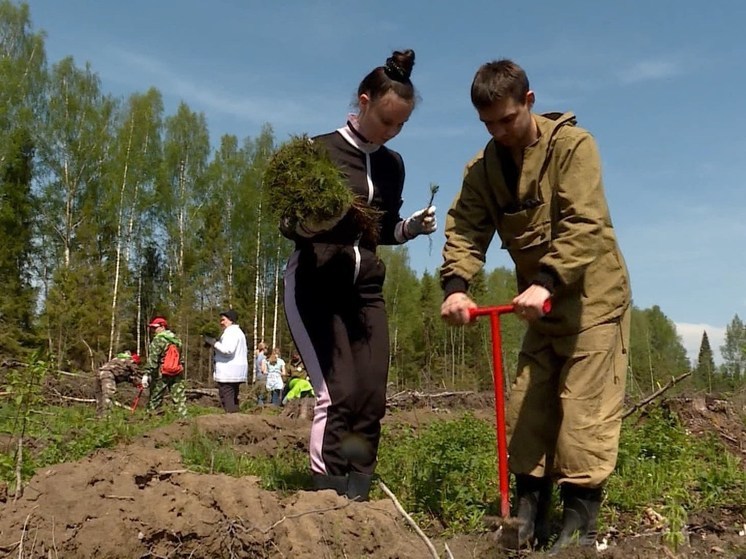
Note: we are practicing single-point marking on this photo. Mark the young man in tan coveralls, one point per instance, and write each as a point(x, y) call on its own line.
point(538, 184)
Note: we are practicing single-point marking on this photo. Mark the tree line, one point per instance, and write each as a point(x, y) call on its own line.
point(112, 211)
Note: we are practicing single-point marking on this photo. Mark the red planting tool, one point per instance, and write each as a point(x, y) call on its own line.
point(497, 360)
point(140, 388)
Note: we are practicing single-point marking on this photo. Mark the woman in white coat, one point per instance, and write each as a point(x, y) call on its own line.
point(231, 360)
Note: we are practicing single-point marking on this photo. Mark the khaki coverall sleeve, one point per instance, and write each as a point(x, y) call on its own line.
point(469, 227)
point(581, 206)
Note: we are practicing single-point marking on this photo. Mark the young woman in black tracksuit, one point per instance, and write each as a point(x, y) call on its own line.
point(334, 285)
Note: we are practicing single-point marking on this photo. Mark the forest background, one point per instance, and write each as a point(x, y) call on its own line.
point(112, 211)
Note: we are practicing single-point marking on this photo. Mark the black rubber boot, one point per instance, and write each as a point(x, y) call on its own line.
point(338, 483)
point(533, 501)
point(358, 487)
point(579, 517)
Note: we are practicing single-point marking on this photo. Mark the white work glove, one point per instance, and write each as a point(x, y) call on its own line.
point(421, 222)
point(145, 382)
point(311, 227)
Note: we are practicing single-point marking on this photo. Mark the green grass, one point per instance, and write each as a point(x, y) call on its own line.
point(660, 465)
point(56, 434)
point(284, 471)
point(445, 474)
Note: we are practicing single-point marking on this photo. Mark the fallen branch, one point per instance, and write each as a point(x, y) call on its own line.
point(10, 547)
point(171, 472)
point(69, 374)
point(39, 412)
point(409, 519)
point(54, 542)
point(642, 403)
point(414, 396)
point(74, 399)
point(203, 391)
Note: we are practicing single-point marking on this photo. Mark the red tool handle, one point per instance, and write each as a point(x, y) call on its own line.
point(137, 398)
point(497, 360)
point(503, 309)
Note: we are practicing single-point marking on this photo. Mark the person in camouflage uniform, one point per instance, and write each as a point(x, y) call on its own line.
point(123, 368)
point(152, 369)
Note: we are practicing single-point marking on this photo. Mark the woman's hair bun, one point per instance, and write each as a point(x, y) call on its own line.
point(399, 65)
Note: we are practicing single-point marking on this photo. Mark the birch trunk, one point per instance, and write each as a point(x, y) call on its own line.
point(257, 267)
point(120, 219)
point(277, 296)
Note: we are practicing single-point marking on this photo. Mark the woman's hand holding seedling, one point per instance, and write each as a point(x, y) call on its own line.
point(422, 222)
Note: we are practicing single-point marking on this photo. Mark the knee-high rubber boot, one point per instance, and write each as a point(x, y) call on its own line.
point(358, 486)
point(338, 483)
point(579, 516)
point(533, 501)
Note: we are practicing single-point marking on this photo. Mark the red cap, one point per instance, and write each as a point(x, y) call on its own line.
point(135, 358)
point(158, 321)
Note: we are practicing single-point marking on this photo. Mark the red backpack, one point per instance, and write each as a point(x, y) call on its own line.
point(171, 361)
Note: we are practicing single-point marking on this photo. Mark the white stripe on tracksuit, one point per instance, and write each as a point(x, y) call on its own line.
point(311, 361)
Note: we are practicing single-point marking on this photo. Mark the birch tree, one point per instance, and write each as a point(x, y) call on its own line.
point(134, 165)
point(73, 147)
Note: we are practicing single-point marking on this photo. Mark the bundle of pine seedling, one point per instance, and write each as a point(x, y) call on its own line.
point(306, 186)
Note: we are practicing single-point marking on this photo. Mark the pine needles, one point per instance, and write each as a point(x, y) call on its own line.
point(306, 186)
point(304, 183)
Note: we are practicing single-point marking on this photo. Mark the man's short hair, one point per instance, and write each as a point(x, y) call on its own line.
point(497, 80)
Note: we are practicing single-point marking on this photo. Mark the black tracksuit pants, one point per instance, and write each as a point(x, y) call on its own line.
point(335, 309)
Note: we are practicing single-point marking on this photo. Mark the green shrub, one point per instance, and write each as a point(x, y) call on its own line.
point(662, 466)
point(447, 473)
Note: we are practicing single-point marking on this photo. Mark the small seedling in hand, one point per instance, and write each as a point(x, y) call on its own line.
point(433, 190)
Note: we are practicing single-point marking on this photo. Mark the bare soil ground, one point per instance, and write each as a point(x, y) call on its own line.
point(139, 500)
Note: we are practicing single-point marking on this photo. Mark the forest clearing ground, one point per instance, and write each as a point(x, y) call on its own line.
point(140, 499)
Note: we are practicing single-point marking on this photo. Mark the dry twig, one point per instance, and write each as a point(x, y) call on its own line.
point(23, 532)
point(642, 403)
point(203, 391)
point(304, 513)
point(171, 472)
point(406, 396)
point(19, 467)
point(409, 519)
point(74, 399)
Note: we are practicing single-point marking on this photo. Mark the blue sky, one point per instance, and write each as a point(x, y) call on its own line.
point(660, 84)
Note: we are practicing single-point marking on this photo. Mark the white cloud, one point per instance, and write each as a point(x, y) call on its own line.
point(210, 97)
point(649, 70)
point(691, 337)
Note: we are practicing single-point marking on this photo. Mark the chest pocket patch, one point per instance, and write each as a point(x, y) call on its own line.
point(525, 229)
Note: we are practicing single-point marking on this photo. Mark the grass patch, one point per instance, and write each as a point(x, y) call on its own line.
point(57, 434)
point(660, 464)
point(446, 473)
point(285, 471)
